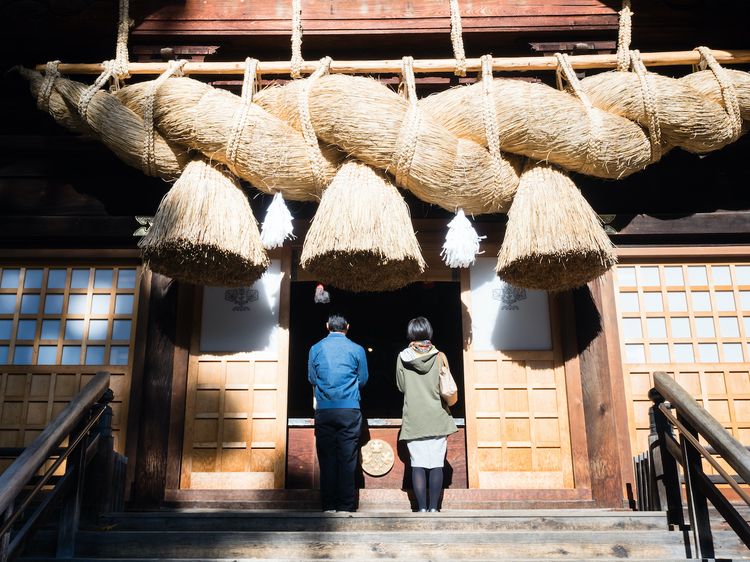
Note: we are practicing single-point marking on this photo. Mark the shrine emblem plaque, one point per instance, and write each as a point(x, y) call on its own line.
point(377, 457)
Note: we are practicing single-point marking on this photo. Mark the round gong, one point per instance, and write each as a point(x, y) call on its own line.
point(377, 457)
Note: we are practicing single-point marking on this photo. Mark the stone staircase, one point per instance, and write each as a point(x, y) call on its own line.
point(562, 534)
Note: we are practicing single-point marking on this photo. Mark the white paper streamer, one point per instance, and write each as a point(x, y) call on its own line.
point(461, 242)
point(277, 225)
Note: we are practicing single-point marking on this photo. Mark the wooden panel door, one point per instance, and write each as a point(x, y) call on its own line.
point(517, 405)
point(235, 416)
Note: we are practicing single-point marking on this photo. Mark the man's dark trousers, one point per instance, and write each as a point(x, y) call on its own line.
point(337, 433)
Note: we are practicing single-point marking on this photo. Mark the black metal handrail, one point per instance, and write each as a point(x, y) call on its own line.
point(86, 424)
point(657, 475)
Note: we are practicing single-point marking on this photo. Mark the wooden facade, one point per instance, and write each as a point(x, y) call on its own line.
point(552, 424)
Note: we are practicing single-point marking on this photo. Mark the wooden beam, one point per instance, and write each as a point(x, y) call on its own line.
point(422, 66)
point(156, 394)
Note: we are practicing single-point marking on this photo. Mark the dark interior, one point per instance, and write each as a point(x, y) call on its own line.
point(378, 323)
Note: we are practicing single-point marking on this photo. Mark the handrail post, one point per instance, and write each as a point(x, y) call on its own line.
point(665, 478)
point(99, 493)
point(5, 539)
point(700, 520)
point(70, 510)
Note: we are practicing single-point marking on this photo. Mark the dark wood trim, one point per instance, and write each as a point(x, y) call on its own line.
point(136, 383)
point(20, 229)
point(151, 459)
point(598, 400)
point(617, 380)
point(718, 222)
point(185, 305)
point(55, 255)
point(576, 415)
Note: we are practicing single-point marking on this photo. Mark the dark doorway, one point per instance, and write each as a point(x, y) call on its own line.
point(378, 323)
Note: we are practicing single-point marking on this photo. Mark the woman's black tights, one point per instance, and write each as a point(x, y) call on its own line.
point(419, 483)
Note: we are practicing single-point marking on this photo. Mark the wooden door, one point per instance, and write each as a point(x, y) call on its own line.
point(517, 405)
point(235, 416)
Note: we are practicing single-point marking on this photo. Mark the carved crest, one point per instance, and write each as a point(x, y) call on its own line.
point(377, 457)
point(241, 296)
point(509, 296)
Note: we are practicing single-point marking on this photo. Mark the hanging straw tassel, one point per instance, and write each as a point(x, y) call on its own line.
point(204, 231)
point(554, 240)
point(461, 243)
point(277, 226)
point(361, 238)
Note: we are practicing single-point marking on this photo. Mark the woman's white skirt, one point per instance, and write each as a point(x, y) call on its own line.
point(428, 452)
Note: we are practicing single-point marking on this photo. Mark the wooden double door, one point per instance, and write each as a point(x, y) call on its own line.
point(521, 404)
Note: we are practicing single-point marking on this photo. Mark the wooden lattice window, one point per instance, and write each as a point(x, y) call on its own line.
point(691, 320)
point(58, 326)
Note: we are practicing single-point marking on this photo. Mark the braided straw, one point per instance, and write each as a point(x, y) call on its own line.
point(240, 120)
point(148, 160)
point(565, 70)
point(121, 50)
point(624, 34)
point(648, 90)
point(88, 95)
point(457, 39)
point(317, 160)
point(489, 115)
point(297, 60)
point(45, 91)
point(728, 90)
point(406, 143)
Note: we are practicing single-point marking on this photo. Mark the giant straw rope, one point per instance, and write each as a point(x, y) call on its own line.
point(460, 148)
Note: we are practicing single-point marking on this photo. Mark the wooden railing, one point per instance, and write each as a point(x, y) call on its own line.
point(29, 489)
point(658, 469)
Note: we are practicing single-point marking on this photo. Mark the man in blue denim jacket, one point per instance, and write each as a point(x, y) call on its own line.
point(337, 369)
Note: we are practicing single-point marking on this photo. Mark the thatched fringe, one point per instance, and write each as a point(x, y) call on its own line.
point(364, 119)
point(361, 238)
point(271, 155)
point(204, 231)
point(553, 241)
point(543, 123)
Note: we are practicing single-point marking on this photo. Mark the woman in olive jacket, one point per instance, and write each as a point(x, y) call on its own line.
point(426, 422)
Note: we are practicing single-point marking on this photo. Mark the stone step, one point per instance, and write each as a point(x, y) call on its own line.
point(41, 559)
point(411, 545)
point(488, 521)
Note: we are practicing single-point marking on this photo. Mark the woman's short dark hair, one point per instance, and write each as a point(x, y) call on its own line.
point(337, 323)
point(419, 329)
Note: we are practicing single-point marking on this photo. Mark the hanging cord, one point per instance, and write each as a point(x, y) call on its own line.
point(45, 91)
point(121, 50)
point(317, 160)
point(457, 39)
point(565, 70)
point(648, 91)
point(489, 115)
point(406, 143)
point(148, 158)
point(88, 95)
point(297, 60)
point(728, 90)
point(249, 87)
point(624, 35)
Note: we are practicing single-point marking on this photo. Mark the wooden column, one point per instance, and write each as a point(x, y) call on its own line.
point(156, 392)
point(603, 392)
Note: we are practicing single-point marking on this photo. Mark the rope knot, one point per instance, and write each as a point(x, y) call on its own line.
point(728, 90)
point(51, 74)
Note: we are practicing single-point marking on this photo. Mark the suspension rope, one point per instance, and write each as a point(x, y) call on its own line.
point(457, 39)
point(297, 60)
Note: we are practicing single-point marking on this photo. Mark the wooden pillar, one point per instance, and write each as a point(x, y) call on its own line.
point(156, 392)
point(604, 404)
